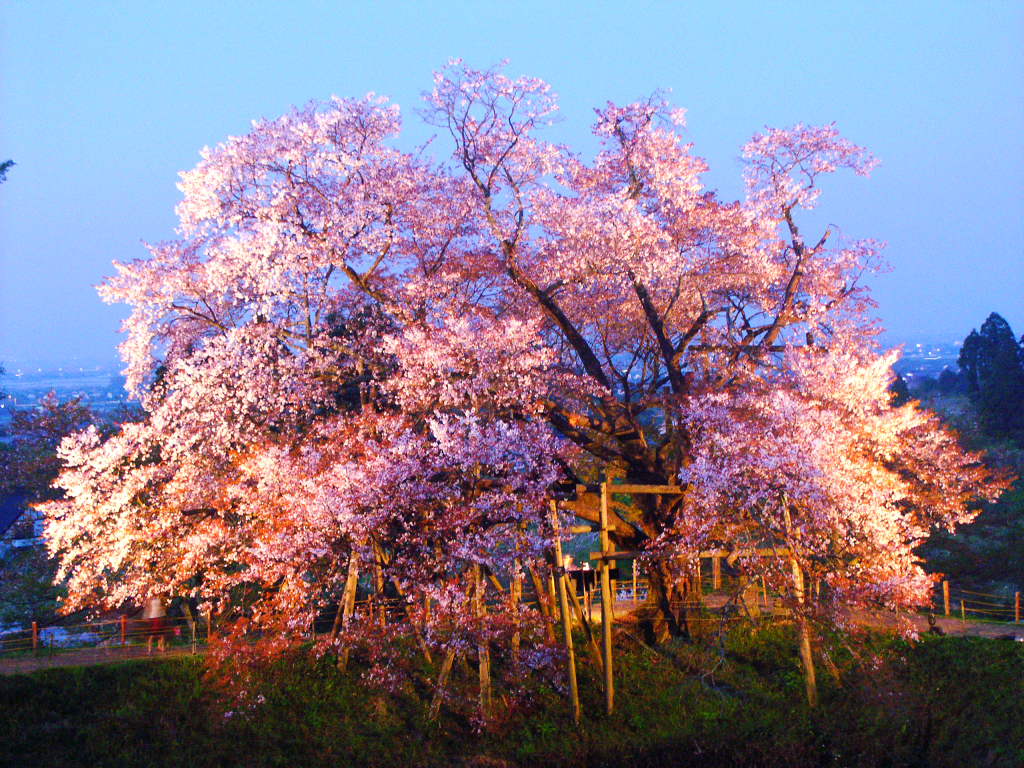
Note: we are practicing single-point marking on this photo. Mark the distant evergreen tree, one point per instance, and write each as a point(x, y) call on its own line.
point(899, 392)
point(968, 361)
point(1001, 376)
point(993, 370)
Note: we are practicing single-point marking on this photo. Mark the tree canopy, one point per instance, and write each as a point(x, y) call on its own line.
point(352, 350)
point(992, 363)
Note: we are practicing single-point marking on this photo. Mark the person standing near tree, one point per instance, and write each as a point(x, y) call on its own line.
point(155, 616)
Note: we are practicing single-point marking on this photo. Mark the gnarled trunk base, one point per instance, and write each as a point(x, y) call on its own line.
point(667, 610)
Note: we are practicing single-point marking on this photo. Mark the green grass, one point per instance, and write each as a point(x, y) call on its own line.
point(943, 701)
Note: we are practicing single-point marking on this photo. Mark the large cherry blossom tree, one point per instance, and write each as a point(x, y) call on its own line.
point(352, 351)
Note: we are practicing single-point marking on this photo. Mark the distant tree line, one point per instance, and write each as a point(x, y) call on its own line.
point(28, 465)
point(991, 373)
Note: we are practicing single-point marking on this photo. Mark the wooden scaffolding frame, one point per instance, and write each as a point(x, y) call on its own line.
point(606, 558)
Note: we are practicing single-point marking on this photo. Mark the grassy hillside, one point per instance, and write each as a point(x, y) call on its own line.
point(948, 701)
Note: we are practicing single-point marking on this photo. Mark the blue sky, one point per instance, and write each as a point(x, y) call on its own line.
point(101, 104)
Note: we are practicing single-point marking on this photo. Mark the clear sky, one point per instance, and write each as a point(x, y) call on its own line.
point(101, 104)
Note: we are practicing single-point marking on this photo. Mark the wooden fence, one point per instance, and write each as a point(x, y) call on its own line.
point(628, 593)
point(985, 606)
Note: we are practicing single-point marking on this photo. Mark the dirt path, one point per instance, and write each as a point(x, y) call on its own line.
point(948, 626)
point(23, 665)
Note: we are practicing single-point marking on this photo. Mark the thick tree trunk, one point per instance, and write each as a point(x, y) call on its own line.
point(664, 615)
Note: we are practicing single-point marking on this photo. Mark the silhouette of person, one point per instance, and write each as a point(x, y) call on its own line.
point(155, 616)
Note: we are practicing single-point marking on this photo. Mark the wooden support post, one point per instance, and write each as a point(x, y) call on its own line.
point(483, 651)
point(700, 582)
point(124, 629)
point(810, 680)
point(347, 606)
point(764, 593)
point(606, 603)
point(35, 636)
point(442, 681)
point(1016, 607)
point(716, 573)
point(563, 605)
point(515, 594)
point(588, 630)
point(495, 581)
point(799, 592)
point(539, 589)
point(553, 592)
point(542, 603)
point(945, 597)
point(378, 586)
point(963, 611)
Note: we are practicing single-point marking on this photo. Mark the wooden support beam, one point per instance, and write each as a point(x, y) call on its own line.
point(494, 580)
point(542, 602)
point(442, 681)
point(637, 488)
point(612, 556)
point(515, 595)
point(731, 555)
point(563, 605)
point(483, 651)
point(606, 603)
point(588, 630)
point(810, 679)
point(799, 591)
point(348, 604)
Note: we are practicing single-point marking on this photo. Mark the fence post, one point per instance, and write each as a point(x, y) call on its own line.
point(716, 573)
point(124, 629)
point(1016, 608)
point(945, 596)
point(963, 611)
point(35, 636)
